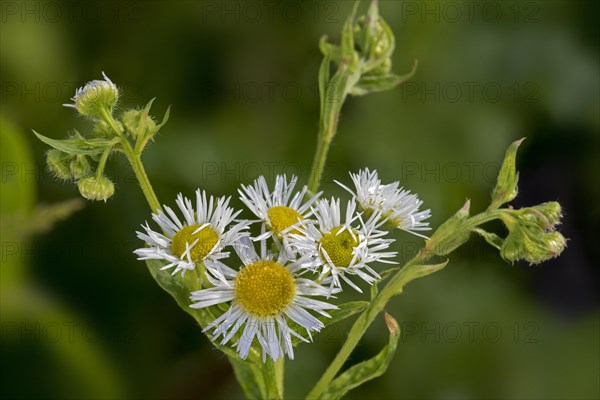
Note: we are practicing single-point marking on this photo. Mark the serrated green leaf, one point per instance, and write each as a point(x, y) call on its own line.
point(366, 370)
point(491, 238)
point(508, 177)
point(76, 145)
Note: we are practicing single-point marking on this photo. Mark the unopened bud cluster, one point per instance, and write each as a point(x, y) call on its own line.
point(71, 159)
point(364, 57)
point(532, 234)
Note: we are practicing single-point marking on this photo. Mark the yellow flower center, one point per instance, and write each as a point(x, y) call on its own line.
point(207, 239)
point(264, 288)
point(283, 217)
point(339, 246)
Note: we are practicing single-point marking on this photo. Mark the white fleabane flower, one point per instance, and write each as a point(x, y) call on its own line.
point(277, 210)
point(95, 97)
point(264, 295)
point(398, 206)
point(342, 248)
point(199, 238)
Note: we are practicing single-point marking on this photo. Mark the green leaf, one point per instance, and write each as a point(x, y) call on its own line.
point(76, 145)
point(163, 122)
point(101, 143)
point(366, 370)
point(142, 135)
point(344, 311)
point(348, 51)
point(250, 378)
point(334, 52)
point(445, 239)
point(410, 273)
point(180, 288)
point(491, 238)
point(508, 177)
point(374, 83)
point(370, 25)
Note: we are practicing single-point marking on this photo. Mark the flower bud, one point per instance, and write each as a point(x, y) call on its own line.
point(555, 243)
point(382, 69)
point(58, 164)
point(95, 97)
point(80, 167)
point(133, 119)
point(551, 210)
point(96, 188)
point(534, 247)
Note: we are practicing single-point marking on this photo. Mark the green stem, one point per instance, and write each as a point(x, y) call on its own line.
point(134, 157)
point(279, 376)
point(392, 288)
point(331, 107)
point(318, 166)
point(327, 130)
point(111, 121)
point(102, 162)
point(272, 373)
point(142, 177)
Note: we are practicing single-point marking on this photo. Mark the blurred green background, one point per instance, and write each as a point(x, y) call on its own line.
point(81, 318)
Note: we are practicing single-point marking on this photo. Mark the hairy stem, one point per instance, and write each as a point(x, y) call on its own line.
point(140, 173)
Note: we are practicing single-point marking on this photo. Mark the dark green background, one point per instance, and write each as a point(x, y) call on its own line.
point(240, 77)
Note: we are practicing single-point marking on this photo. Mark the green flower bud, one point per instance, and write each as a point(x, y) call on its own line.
point(555, 243)
point(382, 69)
point(533, 247)
point(58, 164)
point(134, 119)
point(80, 167)
point(551, 210)
point(96, 188)
point(95, 97)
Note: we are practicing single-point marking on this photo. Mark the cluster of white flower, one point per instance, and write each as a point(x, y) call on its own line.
point(307, 249)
